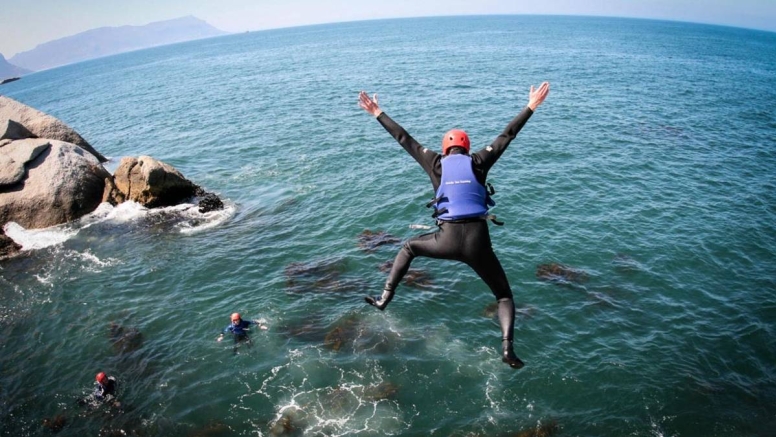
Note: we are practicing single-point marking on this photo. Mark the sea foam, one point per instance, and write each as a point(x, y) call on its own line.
point(186, 218)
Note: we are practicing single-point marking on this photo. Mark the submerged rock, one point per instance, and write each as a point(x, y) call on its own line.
point(541, 430)
point(344, 399)
point(314, 268)
point(292, 422)
point(56, 423)
point(354, 333)
point(320, 277)
point(336, 337)
point(344, 333)
point(559, 273)
point(213, 429)
point(413, 278)
point(310, 329)
point(125, 340)
point(382, 391)
point(370, 241)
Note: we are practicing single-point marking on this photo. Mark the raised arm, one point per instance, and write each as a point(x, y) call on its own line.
point(490, 154)
point(535, 97)
point(369, 105)
point(426, 158)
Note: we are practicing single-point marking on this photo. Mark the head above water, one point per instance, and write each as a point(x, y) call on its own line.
point(236, 318)
point(101, 378)
point(455, 138)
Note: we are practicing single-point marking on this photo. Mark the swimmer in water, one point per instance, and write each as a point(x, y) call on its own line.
point(239, 329)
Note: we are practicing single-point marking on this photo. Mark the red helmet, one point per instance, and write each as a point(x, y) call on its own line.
point(455, 137)
point(101, 378)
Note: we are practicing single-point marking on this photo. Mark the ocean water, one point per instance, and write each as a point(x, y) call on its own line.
point(650, 170)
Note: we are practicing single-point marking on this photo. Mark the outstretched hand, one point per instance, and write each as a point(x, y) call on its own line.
point(537, 96)
point(369, 105)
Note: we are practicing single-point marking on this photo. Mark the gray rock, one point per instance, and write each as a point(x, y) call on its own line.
point(42, 125)
point(62, 183)
point(14, 131)
point(15, 155)
point(152, 183)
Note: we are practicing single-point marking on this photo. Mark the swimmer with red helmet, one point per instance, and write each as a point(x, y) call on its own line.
point(239, 327)
point(105, 386)
point(462, 199)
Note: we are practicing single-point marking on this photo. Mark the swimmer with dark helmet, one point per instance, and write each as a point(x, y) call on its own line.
point(461, 203)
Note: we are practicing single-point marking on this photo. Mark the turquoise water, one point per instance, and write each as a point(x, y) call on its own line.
point(651, 167)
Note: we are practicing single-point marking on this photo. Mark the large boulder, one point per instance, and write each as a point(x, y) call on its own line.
point(15, 155)
point(40, 125)
point(152, 183)
point(48, 182)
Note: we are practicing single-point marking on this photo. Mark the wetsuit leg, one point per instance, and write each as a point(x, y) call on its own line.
point(480, 256)
point(443, 243)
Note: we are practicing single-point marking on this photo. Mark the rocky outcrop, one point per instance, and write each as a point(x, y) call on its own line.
point(152, 183)
point(42, 125)
point(48, 182)
point(209, 202)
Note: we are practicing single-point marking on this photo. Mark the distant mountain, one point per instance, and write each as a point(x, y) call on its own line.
point(106, 41)
point(9, 70)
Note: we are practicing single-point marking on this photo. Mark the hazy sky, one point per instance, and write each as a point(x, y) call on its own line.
point(25, 24)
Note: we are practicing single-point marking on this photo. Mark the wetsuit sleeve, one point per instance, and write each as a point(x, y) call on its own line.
point(111, 387)
point(426, 158)
point(488, 156)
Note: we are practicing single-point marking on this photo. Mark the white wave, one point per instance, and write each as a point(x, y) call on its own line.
point(38, 238)
point(45, 279)
point(122, 213)
point(191, 221)
point(207, 220)
point(94, 261)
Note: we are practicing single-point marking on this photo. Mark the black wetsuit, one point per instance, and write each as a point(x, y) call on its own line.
point(465, 240)
point(101, 391)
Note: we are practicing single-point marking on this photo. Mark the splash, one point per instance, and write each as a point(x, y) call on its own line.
point(184, 218)
point(38, 238)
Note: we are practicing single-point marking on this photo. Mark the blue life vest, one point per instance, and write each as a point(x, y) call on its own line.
point(460, 195)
